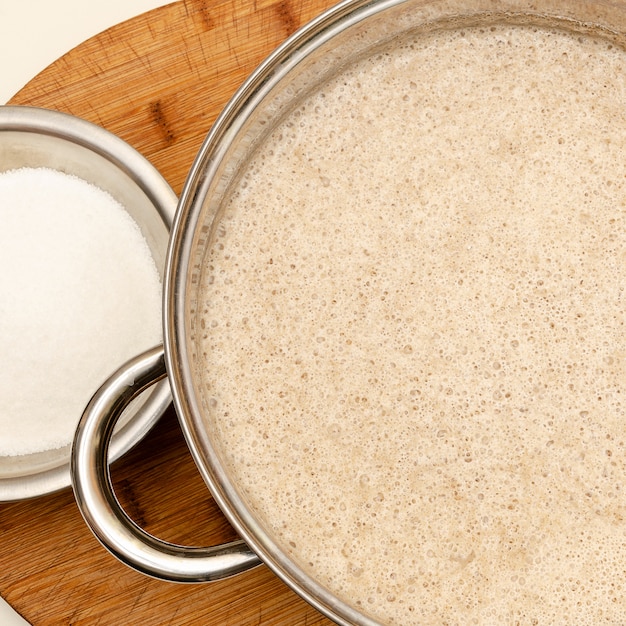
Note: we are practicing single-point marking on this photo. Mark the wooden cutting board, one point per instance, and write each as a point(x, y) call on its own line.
point(158, 81)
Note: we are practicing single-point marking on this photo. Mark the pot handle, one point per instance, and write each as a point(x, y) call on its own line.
point(91, 481)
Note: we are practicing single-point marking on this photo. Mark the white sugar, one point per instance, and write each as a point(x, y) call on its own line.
point(81, 294)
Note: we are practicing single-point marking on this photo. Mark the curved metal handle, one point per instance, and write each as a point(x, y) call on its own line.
point(103, 513)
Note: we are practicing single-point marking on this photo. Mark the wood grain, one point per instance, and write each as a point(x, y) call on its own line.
point(158, 81)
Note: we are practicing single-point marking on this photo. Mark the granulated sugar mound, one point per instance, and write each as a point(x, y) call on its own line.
point(80, 295)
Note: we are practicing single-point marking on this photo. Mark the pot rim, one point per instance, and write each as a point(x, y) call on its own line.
point(180, 266)
point(276, 66)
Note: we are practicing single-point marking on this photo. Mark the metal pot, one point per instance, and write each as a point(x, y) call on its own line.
point(347, 32)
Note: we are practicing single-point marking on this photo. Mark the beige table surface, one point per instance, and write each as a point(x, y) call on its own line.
point(34, 33)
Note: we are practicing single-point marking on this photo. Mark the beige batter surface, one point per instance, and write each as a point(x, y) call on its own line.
point(414, 331)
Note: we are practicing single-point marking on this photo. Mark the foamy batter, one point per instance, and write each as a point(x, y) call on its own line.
point(414, 337)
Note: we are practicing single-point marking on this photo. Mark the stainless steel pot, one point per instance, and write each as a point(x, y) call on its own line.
point(344, 33)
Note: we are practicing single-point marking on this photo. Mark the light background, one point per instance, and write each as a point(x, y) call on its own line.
point(34, 33)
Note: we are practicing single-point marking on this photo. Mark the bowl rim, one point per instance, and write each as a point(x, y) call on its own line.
point(105, 144)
